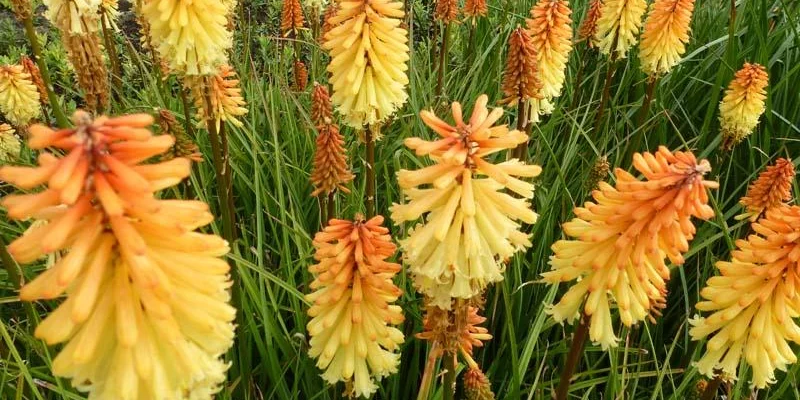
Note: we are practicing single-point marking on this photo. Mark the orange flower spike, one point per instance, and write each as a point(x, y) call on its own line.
point(620, 240)
point(521, 77)
point(446, 10)
point(321, 107)
point(31, 68)
point(132, 264)
point(475, 9)
point(772, 188)
point(743, 104)
point(588, 29)
point(752, 305)
point(352, 313)
point(300, 75)
point(292, 19)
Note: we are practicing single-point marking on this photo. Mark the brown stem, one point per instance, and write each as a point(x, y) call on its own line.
point(442, 59)
point(323, 215)
point(370, 171)
point(612, 65)
point(434, 41)
point(574, 355)
point(711, 390)
point(576, 95)
point(521, 151)
point(648, 98)
point(187, 113)
point(220, 166)
point(332, 205)
point(58, 111)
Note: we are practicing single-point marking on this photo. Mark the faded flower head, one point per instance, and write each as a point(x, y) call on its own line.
point(550, 28)
point(666, 32)
point(619, 242)
point(772, 188)
point(19, 97)
point(618, 26)
point(352, 315)
point(74, 17)
point(184, 145)
point(743, 104)
point(191, 35)
point(146, 313)
point(520, 79)
point(223, 93)
point(32, 69)
point(456, 329)
point(472, 225)
point(753, 304)
point(369, 58)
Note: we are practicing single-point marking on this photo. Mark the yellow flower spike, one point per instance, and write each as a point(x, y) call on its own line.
point(227, 103)
point(352, 315)
point(752, 304)
point(550, 28)
point(618, 26)
point(666, 32)
point(472, 225)
point(146, 314)
point(32, 69)
point(19, 97)
point(743, 104)
point(191, 35)
point(9, 144)
point(369, 60)
point(619, 242)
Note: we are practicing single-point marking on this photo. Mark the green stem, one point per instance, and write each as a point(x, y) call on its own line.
point(331, 205)
point(521, 152)
point(187, 113)
point(730, 57)
point(10, 265)
point(113, 56)
point(220, 167)
point(643, 111)
point(58, 111)
point(370, 171)
point(442, 61)
point(449, 384)
point(574, 355)
point(612, 65)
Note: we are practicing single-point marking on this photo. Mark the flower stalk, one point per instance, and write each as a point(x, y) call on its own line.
point(219, 151)
point(36, 48)
point(574, 355)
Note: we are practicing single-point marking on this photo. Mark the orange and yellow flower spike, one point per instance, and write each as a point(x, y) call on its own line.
point(620, 240)
point(19, 97)
point(753, 304)
point(520, 78)
point(146, 313)
point(330, 171)
point(352, 332)
point(472, 225)
point(550, 28)
point(772, 188)
point(666, 32)
point(743, 104)
point(227, 103)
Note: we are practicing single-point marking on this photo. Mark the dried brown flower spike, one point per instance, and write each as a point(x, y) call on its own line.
point(184, 145)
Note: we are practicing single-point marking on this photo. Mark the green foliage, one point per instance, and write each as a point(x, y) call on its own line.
point(277, 217)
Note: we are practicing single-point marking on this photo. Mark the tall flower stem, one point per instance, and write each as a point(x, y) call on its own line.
point(113, 56)
point(576, 95)
point(331, 205)
point(58, 111)
point(323, 214)
point(612, 66)
point(449, 384)
point(221, 166)
point(648, 99)
point(442, 60)
point(729, 59)
point(521, 152)
point(187, 113)
point(370, 171)
point(575, 350)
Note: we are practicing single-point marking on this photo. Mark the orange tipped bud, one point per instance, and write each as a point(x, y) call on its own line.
point(521, 80)
point(292, 19)
point(300, 75)
point(772, 188)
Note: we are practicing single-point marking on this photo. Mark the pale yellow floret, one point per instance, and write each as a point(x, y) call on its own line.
point(19, 97)
point(618, 26)
point(76, 17)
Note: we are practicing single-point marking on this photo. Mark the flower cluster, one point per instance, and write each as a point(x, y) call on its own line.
point(472, 226)
point(19, 97)
point(446, 11)
point(618, 26)
point(520, 79)
point(352, 313)
point(743, 104)
point(146, 313)
point(475, 8)
point(10, 145)
point(666, 32)
point(550, 28)
point(330, 171)
point(190, 35)
point(588, 29)
point(369, 58)
point(772, 188)
point(754, 302)
point(223, 93)
point(620, 241)
point(32, 69)
point(292, 19)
